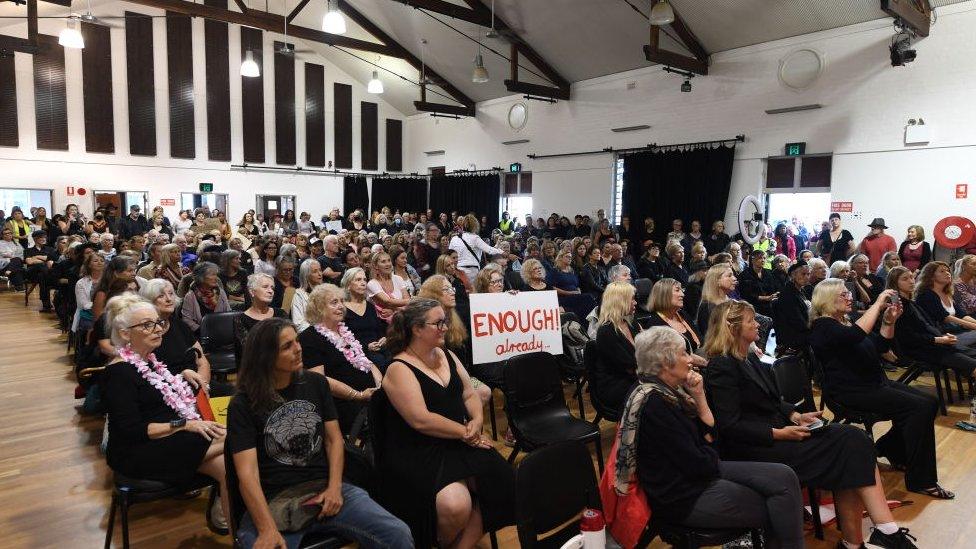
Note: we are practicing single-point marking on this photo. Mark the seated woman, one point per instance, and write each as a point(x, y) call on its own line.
point(853, 376)
point(649, 265)
point(386, 290)
point(446, 266)
point(818, 273)
point(593, 279)
point(665, 433)
point(864, 285)
point(179, 349)
point(309, 276)
point(616, 371)
point(154, 429)
point(889, 261)
point(443, 477)
point(266, 258)
point(756, 283)
point(754, 423)
point(780, 271)
point(791, 313)
point(934, 294)
point(965, 281)
point(91, 274)
point(204, 296)
point(331, 349)
point(720, 282)
point(261, 289)
point(666, 305)
point(170, 265)
point(285, 282)
point(234, 279)
point(534, 276)
point(288, 453)
point(119, 268)
point(361, 317)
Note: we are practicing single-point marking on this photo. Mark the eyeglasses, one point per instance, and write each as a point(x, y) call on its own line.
point(450, 290)
point(496, 281)
point(846, 295)
point(441, 324)
point(150, 326)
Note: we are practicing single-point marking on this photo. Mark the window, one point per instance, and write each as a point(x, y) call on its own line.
point(618, 191)
point(810, 172)
point(26, 199)
point(192, 201)
point(517, 195)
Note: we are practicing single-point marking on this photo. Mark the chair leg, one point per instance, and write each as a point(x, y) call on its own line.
point(910, 374)
point(493, 539)
point(938, 392)
point(491, 415)
point(124, 510)
point(869, 429)
point(515, 451)
point(598, 448)
point(757, 539)
point(818, 531)
point(579, 399)
point(111, 522)
point(948, 386)
point(959, 387)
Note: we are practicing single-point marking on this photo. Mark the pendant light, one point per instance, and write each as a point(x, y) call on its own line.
point(480, 73)
point(375, 84)
point(334, 22)
point(249, 67)
point(70, 37)
point(662, 13)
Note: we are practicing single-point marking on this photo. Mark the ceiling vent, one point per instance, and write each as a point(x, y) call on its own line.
point(630, 128)
point(515, 142)
point(434, 153)
point(797, 108)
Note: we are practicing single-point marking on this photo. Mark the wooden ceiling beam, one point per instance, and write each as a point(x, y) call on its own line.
point(298, 9)
point(697, 64)
point(536, 89)
point(918, 16)
point(23, 45)
point(440, 108)
point(451, 10)
point(676, 60)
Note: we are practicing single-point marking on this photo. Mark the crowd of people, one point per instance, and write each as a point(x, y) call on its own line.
point(331, 317)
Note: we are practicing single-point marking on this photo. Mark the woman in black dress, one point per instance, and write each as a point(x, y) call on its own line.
point(666, 305)
point(441, 476)
point(616, 369)
point(835, 241)
point(361, 317)
point(261, 288)
point(534, 277)
point(329, 348)
point(179, 350)
point(593, 279)
point(754, 423)
point(150, 438)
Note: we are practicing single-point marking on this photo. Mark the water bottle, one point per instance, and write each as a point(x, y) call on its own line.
point(972, 411)
point(593, 528)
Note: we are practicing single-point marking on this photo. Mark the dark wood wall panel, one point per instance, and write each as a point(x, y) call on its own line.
point(50, 98)
point(343, 125)
point(368, 138)
point(284, 75)
point(96, 83)
point(8, 103)
point(394, 145)
point(179, 61)
point(141, 86)
point(218, 86)
point(314, 115)
point(252, 98)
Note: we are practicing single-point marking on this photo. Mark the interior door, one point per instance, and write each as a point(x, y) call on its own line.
point(271, 206)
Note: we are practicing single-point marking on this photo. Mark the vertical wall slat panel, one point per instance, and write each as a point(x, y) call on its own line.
point(314, 115)
point(368, 138)
point(343, 125)
point(218, 86)
point(179, 56)
point(50, 95)
point(141, 83)
point(394, 145)
point(96, 83)
point(284, 90)
point(252, 98)
point(9, 136)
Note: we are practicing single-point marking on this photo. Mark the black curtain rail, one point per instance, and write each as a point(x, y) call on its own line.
point(313, 171)
point(649, 147)
point(489, 171)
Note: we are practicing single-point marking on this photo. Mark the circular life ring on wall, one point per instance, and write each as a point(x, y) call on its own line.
point(954, 232)
point(751, 237)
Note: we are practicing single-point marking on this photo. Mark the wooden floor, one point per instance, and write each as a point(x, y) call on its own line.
point(55, 486)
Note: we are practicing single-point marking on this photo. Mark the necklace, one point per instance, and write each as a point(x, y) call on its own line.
point(344, 340)
point(176, 392)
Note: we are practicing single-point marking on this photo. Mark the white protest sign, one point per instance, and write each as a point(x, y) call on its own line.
point(504, 325)
point(333, 226)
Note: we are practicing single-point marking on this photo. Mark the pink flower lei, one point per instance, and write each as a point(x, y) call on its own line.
point(347, 344)
point(176, 392)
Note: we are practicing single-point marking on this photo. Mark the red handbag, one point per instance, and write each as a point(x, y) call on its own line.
point(627, 516)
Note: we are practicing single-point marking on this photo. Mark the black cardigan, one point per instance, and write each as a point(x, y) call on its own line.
point(851, 358)
point(593, 280)
point(929, 302)
point(791, 319)
point(915, 332)
point(751, 286)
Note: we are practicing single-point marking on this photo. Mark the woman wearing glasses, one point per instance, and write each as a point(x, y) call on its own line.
point(155, 430)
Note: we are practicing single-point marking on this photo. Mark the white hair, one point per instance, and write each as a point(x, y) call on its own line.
point(154, 288)
point(656, 348)
point(836, 267)
point(256, 278)
point(118, 314)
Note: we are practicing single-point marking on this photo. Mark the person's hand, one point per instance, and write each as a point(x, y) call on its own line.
point(330, 500)
point(207, 429)
point(893, 312)
point(366, 394)
point(694, 385)
point(270, 540)
point(513, 292)
point(195, 379)
point(791, 432)
point(472, 431)
point(886, 296)
point(947, 339)
point(808, 418)
point(374, 346)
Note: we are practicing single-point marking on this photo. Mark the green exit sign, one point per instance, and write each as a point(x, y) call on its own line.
point(796, 149)
point(206, 187)
point(515, 167)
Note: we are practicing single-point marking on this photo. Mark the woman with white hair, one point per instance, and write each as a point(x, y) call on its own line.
point(179, 350)
point(309, 276)
point(361, 316)
point(666, 445)
point(155, 429)
point(261, 288)
point(818, 273)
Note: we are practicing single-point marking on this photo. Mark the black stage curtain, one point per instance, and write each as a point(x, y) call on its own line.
point(354, 194)
point(687, 184)
point(407, 194)
point(478, 194)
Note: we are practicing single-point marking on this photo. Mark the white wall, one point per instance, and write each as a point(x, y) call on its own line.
point(161, 176)
point(867, 104)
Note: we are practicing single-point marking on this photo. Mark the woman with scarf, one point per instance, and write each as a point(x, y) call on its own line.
point(665, 438)
point(204, 296)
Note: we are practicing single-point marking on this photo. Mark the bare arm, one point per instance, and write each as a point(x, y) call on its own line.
point(403, 389)
point(249, 479)
point(870, 316)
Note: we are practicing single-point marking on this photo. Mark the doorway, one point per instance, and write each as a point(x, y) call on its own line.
point(210, 201)
point(808, 209)
point(271, 205)
point(121, 201)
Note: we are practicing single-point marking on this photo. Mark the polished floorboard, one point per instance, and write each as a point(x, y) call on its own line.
point(55, 487)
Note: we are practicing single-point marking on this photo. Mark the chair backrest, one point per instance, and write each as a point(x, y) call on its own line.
point(591, 358)
point(217, 331)
point(643, 286)
point(379, 407)
point(794, 382)
point(552, 486)
point(532, 382)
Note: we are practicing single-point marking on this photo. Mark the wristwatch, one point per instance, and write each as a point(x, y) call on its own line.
point(177, 423)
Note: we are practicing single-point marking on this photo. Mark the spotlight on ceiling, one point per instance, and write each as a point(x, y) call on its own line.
point(480, 74)
point(686, 86)
point(249, 67)
point(662, 13)
point(375, 84)
point(901, 49)
point(334, 22)
point(70, 37)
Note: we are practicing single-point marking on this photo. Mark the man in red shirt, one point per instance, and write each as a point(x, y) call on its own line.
point(877, 243)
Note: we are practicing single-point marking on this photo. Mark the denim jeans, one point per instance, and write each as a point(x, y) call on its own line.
point(360, 519)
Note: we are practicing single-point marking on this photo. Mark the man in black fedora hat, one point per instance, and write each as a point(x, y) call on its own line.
point(877, 243)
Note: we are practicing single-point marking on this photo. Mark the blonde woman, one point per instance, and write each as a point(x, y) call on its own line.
point(965, 281)
point(534, 276)
point(850, 354)
point(387, 290)
point(616, 371)
point(720, 282)
point(170, 265)
point(666, 305)
point(914, 251)
point(756, 424)
point(935, 294)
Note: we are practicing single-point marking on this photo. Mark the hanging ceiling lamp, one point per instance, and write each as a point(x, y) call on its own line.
point(375, 84)
point(480, 73)
point(249, 67)
point(334, 22)
point(70, 37)
point(662, 13)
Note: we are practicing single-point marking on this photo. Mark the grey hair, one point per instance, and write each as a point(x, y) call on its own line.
point(289, 250)
point(348, 276)
point(656, 348)
point(203, 269)
point(856, 257)
point(816, 262)
point(836, 267)
point(226, 257)
point(304, 271)
point(118, 314)
point(255, 279)
point(616, 270)
point(780, 258)
point(154, 288)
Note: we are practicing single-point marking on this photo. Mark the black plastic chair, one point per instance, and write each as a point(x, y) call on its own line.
point(591, 358)
point(552, 486)
point(129, 491)
point(915, 368)
point(536, 406)
point(217, 340)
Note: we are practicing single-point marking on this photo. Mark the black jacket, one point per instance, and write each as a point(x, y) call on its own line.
point(791, 319)
point(593, 280)
point(850, 357)
point(915, 332)
point(129, 227)
point(751, 287)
